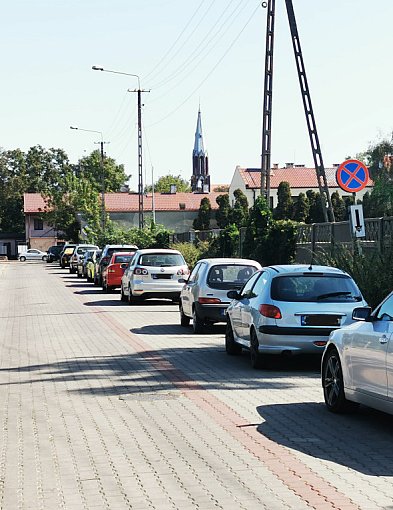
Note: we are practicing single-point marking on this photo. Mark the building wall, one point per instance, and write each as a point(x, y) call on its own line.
point(40, 239)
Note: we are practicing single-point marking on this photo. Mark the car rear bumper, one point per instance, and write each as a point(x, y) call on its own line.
point(278, 340)
point(169, 289)
point(214, 313)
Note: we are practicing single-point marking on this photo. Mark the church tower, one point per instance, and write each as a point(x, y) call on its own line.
point(200, 179)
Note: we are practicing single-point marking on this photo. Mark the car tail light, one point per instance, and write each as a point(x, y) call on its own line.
point(183, 271)
point(111, 270)
point(208, 301)
point(320, 343)
point(270, 311)
point(139, 270)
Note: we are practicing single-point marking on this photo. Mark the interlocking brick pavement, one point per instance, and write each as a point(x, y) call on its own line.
point(109, 406)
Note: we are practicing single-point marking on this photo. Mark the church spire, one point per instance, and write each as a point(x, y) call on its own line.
point(200, 180)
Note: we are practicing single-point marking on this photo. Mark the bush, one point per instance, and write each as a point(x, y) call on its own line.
point(372, 271)
point(190, 252)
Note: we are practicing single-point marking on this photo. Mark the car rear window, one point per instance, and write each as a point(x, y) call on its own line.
point(229, 276)
point(121, 259)
point(68, 251)
point(315, 288)
point(161, 259)
point(83, 249)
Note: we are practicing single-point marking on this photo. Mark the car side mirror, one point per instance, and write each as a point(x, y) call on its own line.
point(233, 294)
point(362, 313)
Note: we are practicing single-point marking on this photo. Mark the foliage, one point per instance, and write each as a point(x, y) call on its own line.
point(224, 188)
point(315, 214)
point(90, 168)
point(284, 209)
point(163, 185)
point(202, 221)
point(372, 271)
point(258, 226)
point(339, 207)
point(226, 244)
point(239, 213)
point(190, 252)
point(223, 211)
point(378, 158)
point(301, 208)
point(279, 246)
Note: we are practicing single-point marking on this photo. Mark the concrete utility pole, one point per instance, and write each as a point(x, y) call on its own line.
point(140, 161)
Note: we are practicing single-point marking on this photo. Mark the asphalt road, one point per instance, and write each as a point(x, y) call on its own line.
point(106, 405)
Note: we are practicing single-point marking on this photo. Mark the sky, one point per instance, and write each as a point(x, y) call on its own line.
point(200, 53)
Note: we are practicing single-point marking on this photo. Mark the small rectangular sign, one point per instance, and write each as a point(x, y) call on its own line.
point(358, 228)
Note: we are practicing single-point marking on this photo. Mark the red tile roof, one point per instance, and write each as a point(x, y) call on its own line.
point(124, 202)
point(298, 177)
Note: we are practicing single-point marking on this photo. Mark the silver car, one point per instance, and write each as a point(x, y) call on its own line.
point(204, 296)
point(33, 254)
point(358, 360)
point(77, 255)
point(154, 273)
point(289, 309)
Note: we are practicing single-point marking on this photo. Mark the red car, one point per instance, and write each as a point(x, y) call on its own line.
point(113, 272)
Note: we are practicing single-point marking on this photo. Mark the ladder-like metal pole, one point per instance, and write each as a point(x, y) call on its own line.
point(326, 202)
point(267, 102)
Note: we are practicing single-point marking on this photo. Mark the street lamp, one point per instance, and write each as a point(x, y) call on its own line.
point(102, 172)
point(140, 171)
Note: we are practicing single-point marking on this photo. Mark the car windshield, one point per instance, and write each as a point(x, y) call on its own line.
point(229, 276)
point(161, 259)
point(315, 288)
point(68, 251)
point(83, 249)
point(122, 259)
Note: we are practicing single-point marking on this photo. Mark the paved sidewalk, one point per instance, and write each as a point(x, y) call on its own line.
point(108, 406)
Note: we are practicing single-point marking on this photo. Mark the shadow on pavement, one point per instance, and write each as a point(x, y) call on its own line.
point(174, 329)
point(361, 440)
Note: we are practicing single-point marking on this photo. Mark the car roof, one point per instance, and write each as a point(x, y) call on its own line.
point(157, 250)
point(215, 261)
point(122, 253)
point(304, 268)
point(120, 246)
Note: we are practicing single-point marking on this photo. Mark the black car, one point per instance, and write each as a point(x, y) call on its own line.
point(54, 253)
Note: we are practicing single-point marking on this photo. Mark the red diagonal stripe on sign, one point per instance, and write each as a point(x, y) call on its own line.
point(352, 175)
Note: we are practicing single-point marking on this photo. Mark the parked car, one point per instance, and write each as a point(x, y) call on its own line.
point(289, 309)
point(91, 265)
point(81, 268)
point(357, 362)
point(77, 254)
point(33, 254)
point(65, 255)
point(106, 254)
point(204, 296)
point(113, 272)
point(54, 252)
point(154, 273)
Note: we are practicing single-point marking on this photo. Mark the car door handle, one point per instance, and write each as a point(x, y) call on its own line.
point(383, 339)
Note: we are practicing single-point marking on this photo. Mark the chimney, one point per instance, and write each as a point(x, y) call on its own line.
point(288, 165)
point(336, 165)
point(275, 166)
point(300, 166)
point(173, 189)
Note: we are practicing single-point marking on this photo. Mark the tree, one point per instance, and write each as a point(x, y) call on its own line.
point(315, 214)
point(284, 209)
point(163, 185)
point(202, 221)
point(239, 214)
point(259, 222)
point(301, 208)
point(339, 208)
point(223, 211)
point(90, 168)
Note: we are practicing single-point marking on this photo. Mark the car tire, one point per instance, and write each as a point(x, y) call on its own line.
point(78, 274)
point(255, 357)
point(130, 298)
point(22, 259)
point(44, 258)
point(333, 384)
point(184, 320)
point(231, 347)
point(197, 322)
point(123, 297)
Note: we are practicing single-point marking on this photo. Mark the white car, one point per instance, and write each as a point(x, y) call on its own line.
point(289, 309)
point(204, 296)
point(33, 254)
point(154, 273)
point(77, 255)
point(358, 360)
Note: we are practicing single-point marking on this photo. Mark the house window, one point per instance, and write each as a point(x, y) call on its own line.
point(38, 224)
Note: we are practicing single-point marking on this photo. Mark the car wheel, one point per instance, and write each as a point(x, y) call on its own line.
point(231, 347)
point(78, 275)
point(22, 259)
point(184, 320)
point(123, 297)
point(333, 384)
point(197, 322)
point(130, 298)
point(255, 357)
point(44, 258)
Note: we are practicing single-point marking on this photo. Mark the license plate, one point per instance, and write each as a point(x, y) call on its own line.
point(321, 320)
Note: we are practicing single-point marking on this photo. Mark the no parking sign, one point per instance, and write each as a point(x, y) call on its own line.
point(352, 175)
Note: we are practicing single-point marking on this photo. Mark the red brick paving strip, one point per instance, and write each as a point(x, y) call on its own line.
point(299, 478)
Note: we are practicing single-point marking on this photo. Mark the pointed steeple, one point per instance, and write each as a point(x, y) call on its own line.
point(200, 180)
